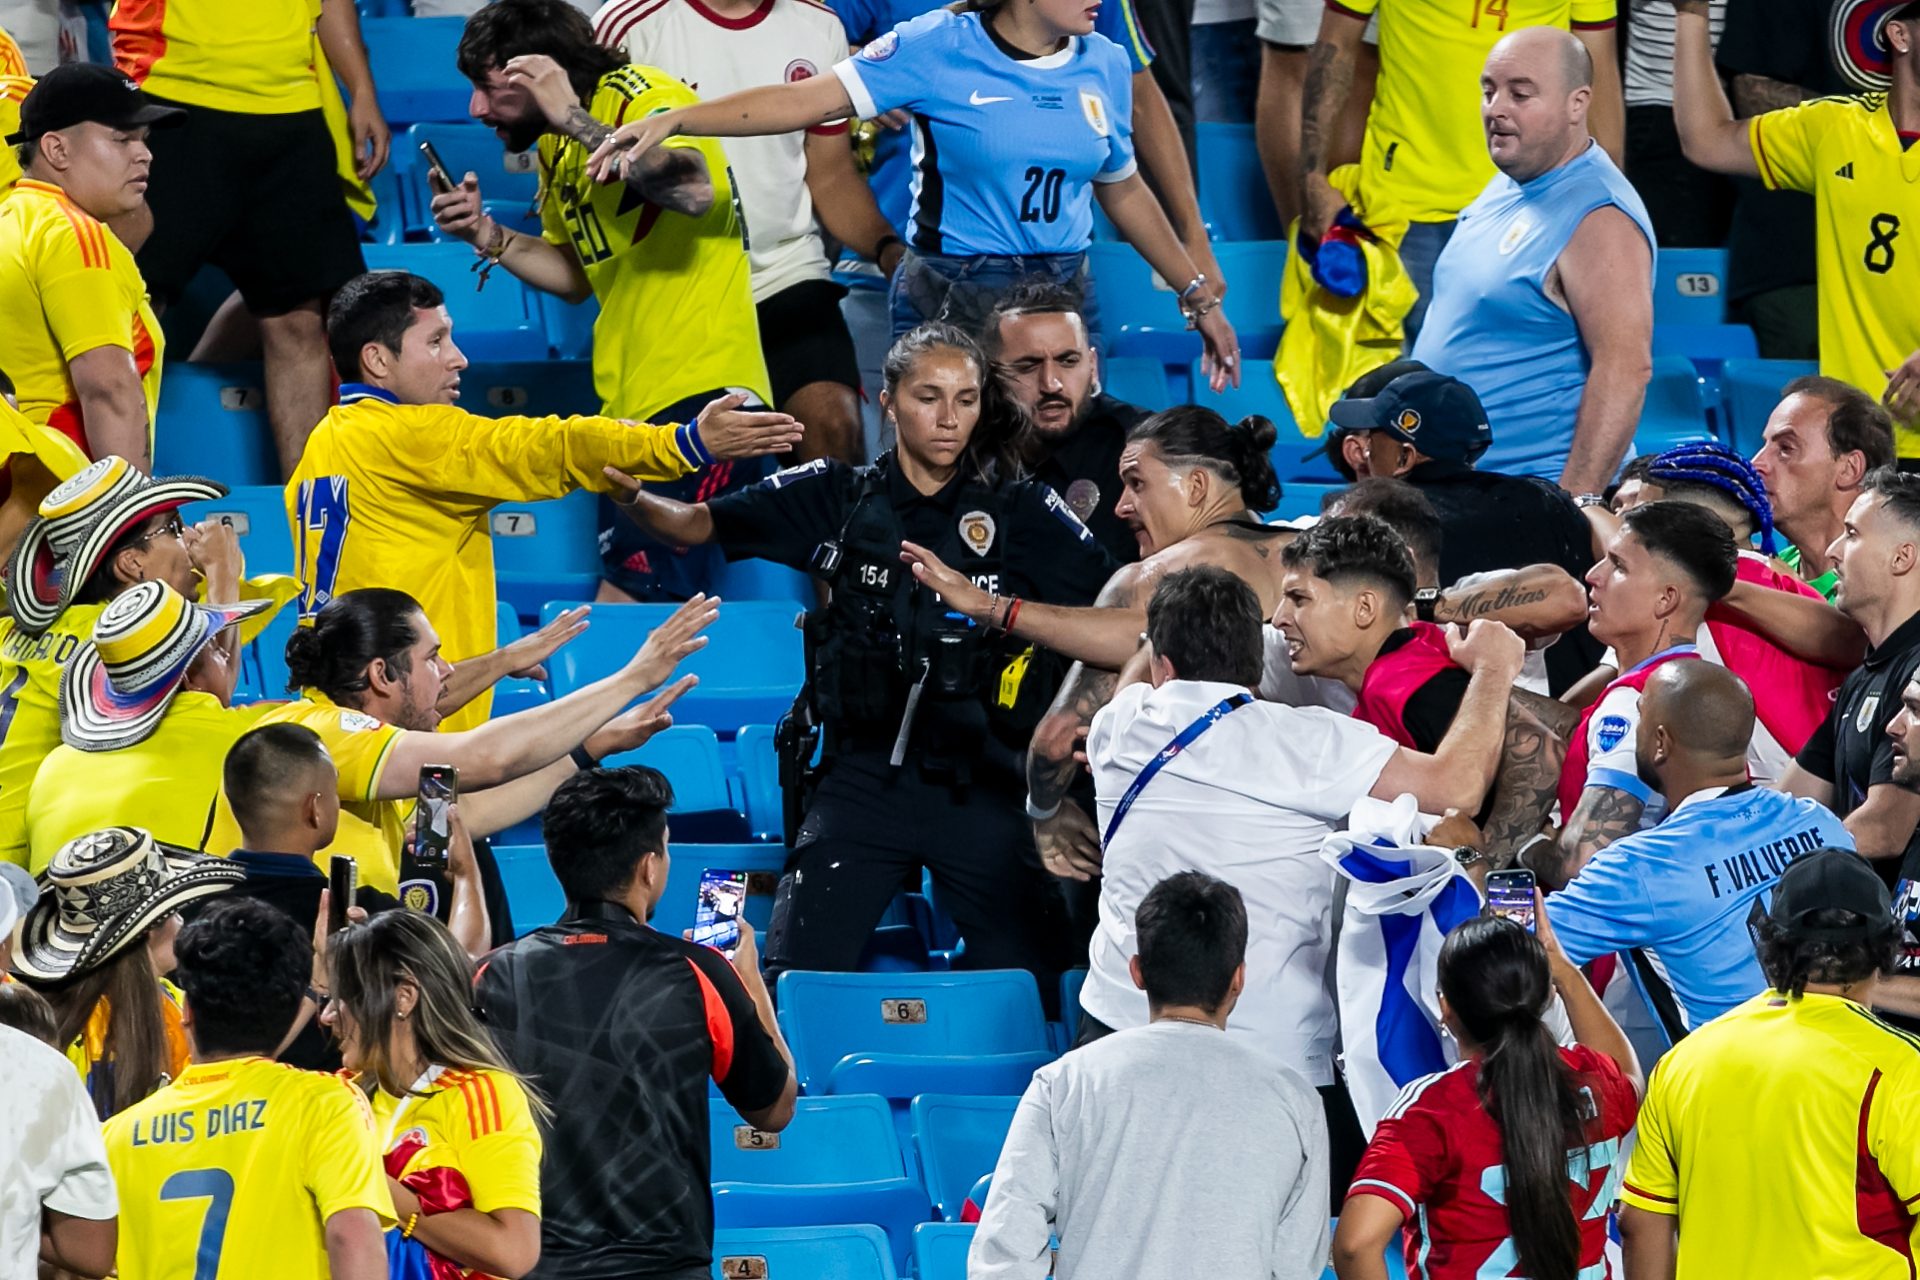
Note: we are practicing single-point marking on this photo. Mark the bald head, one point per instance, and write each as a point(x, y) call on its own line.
point(1555, 60)
point(1534, 95)
point(1703, 710)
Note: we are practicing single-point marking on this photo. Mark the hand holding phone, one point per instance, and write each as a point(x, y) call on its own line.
point(1511, 895)
point(717, 911)
point(425, 874)
point(343, 881)
point(437, 173)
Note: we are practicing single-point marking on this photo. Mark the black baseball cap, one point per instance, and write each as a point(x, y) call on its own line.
point(88, 93)
point(1436, 414)
point(1832, 880)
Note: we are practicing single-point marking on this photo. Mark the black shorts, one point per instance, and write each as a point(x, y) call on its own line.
point(805, 339)
point(257, 196)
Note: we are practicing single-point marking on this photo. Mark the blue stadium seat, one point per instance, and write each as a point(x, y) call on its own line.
point(1707, 345)
point(756, 579)
point(761, 862)
point(1071, 984)
point(1676, 407)
point(844, 1139)
point(569, 325)
point(703, 806)
point(940, 1250)
point(976, 1202)
point(389, 224)
point(750, 670)
point(533, 895)
point(1139, 380)
point(413, 68)
point(258, 515)
point(1689, 286)
point(905, 1076)
point(508, 179)
point(759, 772)
point(533, 388)
point(494, 323)
point(803, 1253)
point(212, 421)
point(1752, 389)
point(513, 693)
point(1259, 393)
point(827, 1016)
point(958, 1140)
point(1300, 498)
point(1253, 270)
point(547, 551)
point(1234, 196)
point(1141, 315)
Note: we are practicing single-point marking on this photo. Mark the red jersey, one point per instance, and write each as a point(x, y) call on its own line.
point(1436, 1155)
point(1791, 697)
point(1401, 671)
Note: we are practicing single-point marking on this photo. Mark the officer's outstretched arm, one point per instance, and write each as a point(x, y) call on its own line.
point(685, 524)
point(1103, 636)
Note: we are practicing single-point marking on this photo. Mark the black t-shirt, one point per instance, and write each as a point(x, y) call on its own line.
point(621, 1027)
point(1490, 521)
point(1084, 469)
point(1770, 244)
point(1851, 749)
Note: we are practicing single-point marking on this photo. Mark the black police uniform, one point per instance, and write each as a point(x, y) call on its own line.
point(946, 792)
point(1084, 469)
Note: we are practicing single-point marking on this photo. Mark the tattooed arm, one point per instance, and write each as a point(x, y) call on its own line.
point(1069, 842)
point(1603, 815)
point(1536, 601)
point(1329, 78)
point(1529, 774)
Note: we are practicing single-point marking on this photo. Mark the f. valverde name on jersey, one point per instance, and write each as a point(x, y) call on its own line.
point(1762, 864)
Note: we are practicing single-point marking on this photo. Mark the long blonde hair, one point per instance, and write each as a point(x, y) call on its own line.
point(368, 962)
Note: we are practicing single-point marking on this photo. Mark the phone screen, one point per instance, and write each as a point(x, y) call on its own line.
point(424, 884)
point(716, 916)
point(1510, 895)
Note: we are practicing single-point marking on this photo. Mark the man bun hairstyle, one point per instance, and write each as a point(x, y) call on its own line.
point(1190, 435)
point(347, 634)
point(1690, 537)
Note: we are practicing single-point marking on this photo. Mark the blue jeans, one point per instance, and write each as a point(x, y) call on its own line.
point(964, 291)
point(1419, 250)
point(1226, 71)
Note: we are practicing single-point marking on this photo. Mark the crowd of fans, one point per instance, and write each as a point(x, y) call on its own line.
point(1518, 860)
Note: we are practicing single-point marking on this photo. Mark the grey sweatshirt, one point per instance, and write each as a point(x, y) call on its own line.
point(1168, 1151)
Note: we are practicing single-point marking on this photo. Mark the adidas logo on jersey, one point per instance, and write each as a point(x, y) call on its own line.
point(1844, 171)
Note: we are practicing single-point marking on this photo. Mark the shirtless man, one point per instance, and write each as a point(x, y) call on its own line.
point(1190, 489)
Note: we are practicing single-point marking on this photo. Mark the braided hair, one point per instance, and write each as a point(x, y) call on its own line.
point(1704, 464)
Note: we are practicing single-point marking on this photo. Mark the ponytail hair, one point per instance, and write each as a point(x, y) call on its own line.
point(352, 630)
point(1191, 435)
point(992, 452)
point(1495, 978)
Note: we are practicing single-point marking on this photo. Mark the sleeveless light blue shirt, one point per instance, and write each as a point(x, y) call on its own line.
point(1491, 323)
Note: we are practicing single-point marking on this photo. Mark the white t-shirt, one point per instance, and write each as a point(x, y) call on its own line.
point(51, 1154)
point(780, 42)
point(1249, 802)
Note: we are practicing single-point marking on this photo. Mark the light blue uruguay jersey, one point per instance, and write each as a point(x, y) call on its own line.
point(1005, 149)
point(1684, 891)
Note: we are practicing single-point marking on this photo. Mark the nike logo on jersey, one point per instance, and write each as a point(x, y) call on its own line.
point(1844, 171)
point(979, 101)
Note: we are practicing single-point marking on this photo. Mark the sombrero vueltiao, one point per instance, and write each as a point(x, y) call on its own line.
point(101, 892)
point(79, 523)
point(117, 685)
point(1857, 36)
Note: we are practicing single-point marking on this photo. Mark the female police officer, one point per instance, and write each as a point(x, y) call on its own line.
point(923, 712)
point(1021, 114)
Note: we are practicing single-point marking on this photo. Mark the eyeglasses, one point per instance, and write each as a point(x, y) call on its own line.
point(173, 528)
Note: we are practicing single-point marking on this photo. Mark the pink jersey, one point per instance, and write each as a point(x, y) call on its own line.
point(1394, 677)
point(1791, 696)
point(1437, 1157)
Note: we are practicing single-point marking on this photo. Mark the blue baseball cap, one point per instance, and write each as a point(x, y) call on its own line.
point(1438, 415)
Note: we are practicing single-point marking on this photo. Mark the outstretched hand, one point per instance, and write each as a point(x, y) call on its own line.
point(634, 727)
point(674, 639)
point(530, 652)
point(955, 589)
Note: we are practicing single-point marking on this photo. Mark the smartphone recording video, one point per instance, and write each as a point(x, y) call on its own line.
point(716, 916)
point(1510, 895)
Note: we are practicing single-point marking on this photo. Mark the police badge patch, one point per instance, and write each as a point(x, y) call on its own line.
point(976, 531)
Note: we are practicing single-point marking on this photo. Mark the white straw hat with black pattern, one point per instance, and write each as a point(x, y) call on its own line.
point(118, 685)
point(78, 525)
point(101, 892)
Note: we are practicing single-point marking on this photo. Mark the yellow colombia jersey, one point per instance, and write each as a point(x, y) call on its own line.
point(166, 784)
point(231, 1172)
point(1784, 1131)
point(1847, 153)
point(14, 83)
point(469, 1143)
point(1425, 149)
point(30, 711)
point(253, 56)
point(676, 310)
point(67, 286)
point(393, 495)
point(370, 830)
